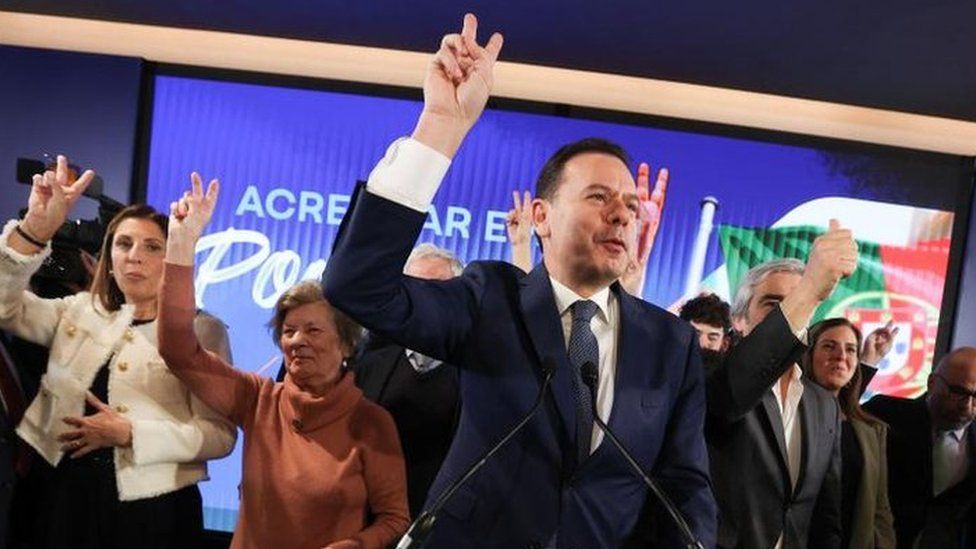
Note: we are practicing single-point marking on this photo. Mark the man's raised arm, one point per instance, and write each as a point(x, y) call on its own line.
point(456, 88)
point(364, 275)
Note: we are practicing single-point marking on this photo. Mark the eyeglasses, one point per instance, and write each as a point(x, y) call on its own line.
point(957, 392)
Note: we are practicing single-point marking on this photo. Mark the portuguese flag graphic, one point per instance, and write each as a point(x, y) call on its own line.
point(903, 284)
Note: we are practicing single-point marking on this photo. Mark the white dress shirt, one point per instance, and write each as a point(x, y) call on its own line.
point(605, 326)
point(421, 363)
point(792, 431)
point(410, 174)
point(950, 459)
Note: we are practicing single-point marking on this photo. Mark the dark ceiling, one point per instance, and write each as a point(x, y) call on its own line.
point(904, 55)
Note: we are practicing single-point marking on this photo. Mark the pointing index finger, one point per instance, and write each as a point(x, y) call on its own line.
point(61, 173)
point(470, 27)
point(643, 180)
point(197, 183)
point(82, 183)
point(661, 185)
point(213, 189)
point(494, 46)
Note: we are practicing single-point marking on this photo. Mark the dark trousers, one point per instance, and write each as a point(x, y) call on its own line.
point(82, 510)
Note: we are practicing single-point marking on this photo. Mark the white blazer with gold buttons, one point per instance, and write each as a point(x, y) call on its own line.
point(173, 433)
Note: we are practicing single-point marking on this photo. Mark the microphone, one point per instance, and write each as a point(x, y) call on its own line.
point(419, 530)
point(589, 374)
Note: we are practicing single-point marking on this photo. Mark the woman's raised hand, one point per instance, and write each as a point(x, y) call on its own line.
point(189, 215)
point(52, 196)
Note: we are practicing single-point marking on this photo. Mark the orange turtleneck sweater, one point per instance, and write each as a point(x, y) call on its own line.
point(319, 471)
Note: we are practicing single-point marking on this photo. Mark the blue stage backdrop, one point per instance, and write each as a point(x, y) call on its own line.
point(288, 158)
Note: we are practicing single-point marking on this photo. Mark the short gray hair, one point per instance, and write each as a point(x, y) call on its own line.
point(427, 249)
point(304, 293)
point(755, 276)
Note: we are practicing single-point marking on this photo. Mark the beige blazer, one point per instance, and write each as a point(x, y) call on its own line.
point(872, 524)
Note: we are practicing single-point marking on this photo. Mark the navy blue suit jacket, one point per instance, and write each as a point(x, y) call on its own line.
point(498, 324)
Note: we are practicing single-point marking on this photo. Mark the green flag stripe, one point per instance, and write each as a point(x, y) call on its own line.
point(746, 247)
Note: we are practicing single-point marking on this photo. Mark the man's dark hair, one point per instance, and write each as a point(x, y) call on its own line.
point(552, 172)
point(551, 175)
point(707, 309)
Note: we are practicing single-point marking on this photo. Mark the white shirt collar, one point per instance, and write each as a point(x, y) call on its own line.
point(797, 373)
point(957, 434)
point(421, 362)
point(794, 391)
point(566, 297)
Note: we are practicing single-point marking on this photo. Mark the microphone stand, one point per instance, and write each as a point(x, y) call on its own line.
point(419, 530)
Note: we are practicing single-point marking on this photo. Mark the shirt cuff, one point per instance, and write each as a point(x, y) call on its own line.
point(14, 255)
point(799, 330)
point(409, 174)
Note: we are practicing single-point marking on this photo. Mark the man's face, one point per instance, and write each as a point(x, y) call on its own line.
point(766, 295)
point(589, 227)
point(949, 400)
point(430, 268)
point(709, 337)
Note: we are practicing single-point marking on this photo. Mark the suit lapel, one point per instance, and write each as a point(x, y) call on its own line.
point(970, 435)
point(628, 347)
point(546, 333)
point(776, 424)
point(634, 364)
point(922, 424)
point(867, 440)
point(385, 365)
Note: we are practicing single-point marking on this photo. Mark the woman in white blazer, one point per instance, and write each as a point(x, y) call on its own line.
point(127, 441)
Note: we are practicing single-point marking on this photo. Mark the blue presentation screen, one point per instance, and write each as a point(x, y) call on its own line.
point(288, 158)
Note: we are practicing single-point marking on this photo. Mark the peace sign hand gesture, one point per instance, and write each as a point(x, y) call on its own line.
point(878, 343)
point(649, 217)
point(518, 223)
point(652, 207)
point(52, 196)
point(188, 216)
point(456, 87)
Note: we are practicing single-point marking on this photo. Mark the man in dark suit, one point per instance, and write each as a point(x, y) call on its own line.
point(421, 393)
point(932, 456)
point(557, 484)
point(773, 436)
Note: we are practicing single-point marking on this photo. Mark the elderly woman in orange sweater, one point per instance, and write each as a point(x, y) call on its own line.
point(322, 465)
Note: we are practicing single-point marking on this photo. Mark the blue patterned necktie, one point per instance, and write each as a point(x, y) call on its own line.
point(583, 348)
